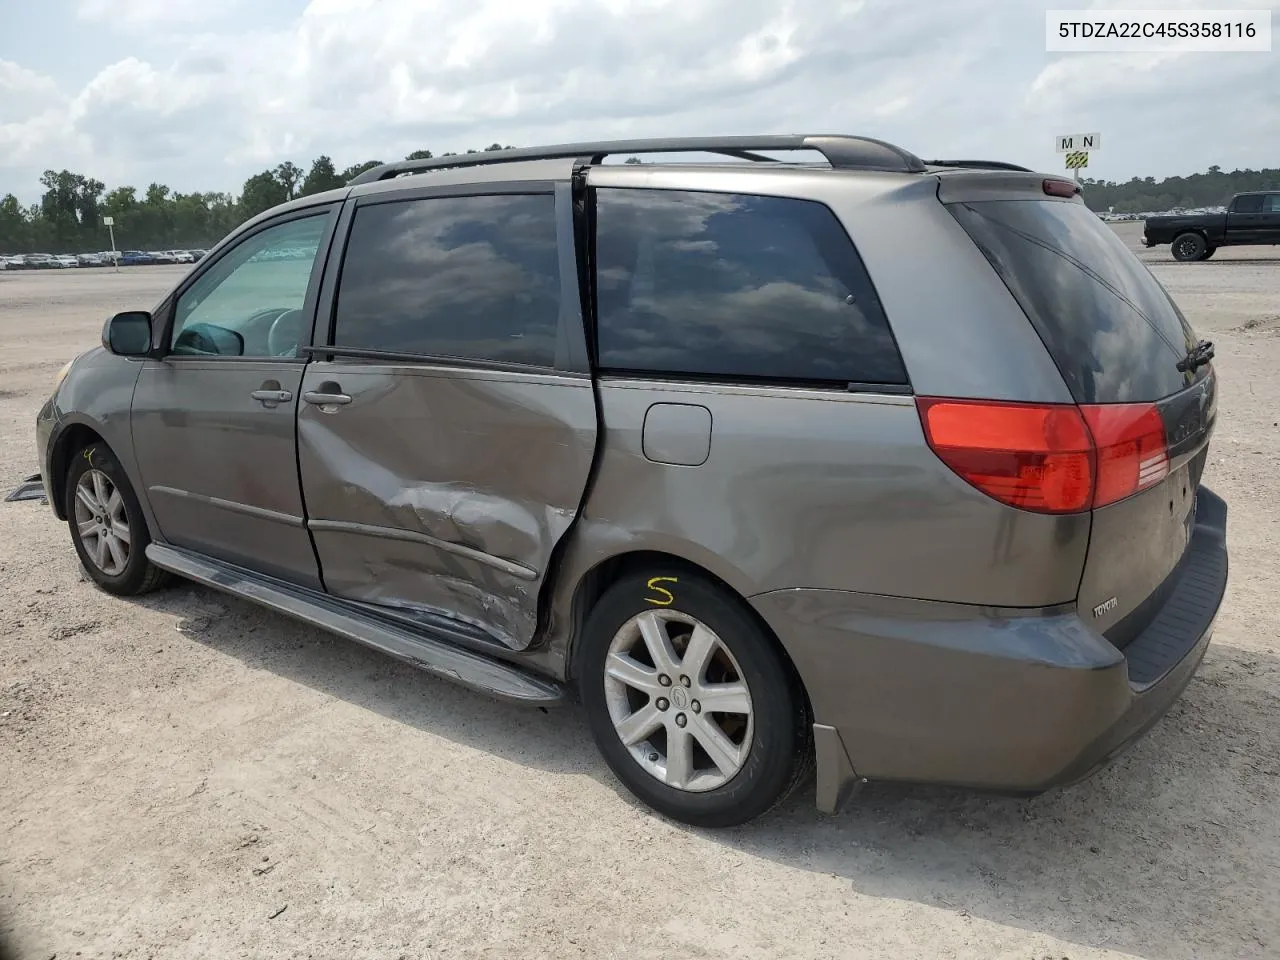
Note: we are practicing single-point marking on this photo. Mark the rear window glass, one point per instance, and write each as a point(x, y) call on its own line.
point(736, 287)
point(1107, 322)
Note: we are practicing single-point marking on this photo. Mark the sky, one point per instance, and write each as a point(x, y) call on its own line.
point(200, 94)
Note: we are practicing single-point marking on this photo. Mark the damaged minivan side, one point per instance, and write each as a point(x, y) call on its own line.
point(694, 445)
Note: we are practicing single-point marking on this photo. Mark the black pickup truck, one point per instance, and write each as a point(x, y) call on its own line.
point(1251, 218)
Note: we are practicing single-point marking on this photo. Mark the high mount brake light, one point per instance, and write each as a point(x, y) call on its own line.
point(1061, 188)
point(1048, 458)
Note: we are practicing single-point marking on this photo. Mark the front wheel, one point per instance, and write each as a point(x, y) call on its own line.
point(690, 701)
point(1188, 247)
point(107, 526)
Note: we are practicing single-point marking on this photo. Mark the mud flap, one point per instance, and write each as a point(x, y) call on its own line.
point(31, 488)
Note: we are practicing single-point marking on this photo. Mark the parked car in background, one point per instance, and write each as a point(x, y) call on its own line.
point(199, 254)
point(40, 261)
point(697, 446)
point(1251, 219)
point(64, 260)
point(183, 256)
point(134, 258)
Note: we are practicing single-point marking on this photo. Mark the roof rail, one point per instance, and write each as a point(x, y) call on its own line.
point(842, 152)
point(979, 165)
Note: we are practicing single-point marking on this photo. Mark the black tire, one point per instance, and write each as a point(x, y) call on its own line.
point(1209, 252)
point(780, 753)
point(138, 574)
point(1188, 247)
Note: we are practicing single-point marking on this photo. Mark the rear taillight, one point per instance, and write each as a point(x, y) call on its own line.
point(1131, 450)
point(1049, 458)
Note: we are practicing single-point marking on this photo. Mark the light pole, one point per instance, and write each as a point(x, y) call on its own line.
point(111, 229)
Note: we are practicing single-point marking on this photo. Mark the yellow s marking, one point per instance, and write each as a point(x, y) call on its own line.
point(667, 597)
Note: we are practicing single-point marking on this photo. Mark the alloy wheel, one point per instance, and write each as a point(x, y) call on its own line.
point(678, 700)
point(102, 522)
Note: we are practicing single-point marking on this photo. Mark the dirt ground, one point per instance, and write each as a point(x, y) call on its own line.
point(187, 776)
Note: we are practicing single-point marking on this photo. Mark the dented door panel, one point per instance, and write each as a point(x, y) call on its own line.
point(441, 489)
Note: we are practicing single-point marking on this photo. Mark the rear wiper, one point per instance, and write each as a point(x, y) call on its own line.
point(1197, 356)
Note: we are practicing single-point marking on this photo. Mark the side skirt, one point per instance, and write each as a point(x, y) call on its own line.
point(431, 650)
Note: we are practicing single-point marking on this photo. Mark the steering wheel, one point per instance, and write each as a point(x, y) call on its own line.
point(282, 338)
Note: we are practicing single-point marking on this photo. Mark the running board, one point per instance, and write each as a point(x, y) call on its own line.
point(464, 667)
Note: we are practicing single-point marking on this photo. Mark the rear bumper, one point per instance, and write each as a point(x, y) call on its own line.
point(1015, 701)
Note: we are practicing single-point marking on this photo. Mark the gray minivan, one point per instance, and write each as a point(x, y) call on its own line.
point(889, 464)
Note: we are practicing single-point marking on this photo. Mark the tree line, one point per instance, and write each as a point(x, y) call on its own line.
point(68, 218)
point(1148, 195)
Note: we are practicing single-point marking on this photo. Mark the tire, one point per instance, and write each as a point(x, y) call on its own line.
point(1209, 252)
point(769, 745)
point(1188, 247)
point(122, 569)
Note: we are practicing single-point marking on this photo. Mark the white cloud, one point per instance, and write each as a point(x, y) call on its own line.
point(150, 13)
point(219, 98)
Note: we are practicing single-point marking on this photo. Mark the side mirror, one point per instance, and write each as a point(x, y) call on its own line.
point(128, 334)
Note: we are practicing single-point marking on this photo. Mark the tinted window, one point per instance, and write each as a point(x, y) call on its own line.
point(1108, 324)
point(470, 277)
point(1247, 204)
point(738, 287)
point(1272, 204)
point(249, 303)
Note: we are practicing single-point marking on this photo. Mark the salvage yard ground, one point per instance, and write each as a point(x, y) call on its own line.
point(187, 775)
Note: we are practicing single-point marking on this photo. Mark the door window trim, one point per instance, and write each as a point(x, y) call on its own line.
point(571, 337)
point(310, 300)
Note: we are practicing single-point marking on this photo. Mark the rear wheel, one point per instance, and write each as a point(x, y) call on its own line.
point(1209, 252)
point(1188, 247)
point(691, 703)
point(107, 526)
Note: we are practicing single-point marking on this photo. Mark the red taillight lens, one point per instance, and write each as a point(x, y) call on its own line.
point(1050, 458)
point(1036, 457)
point(1132, 453)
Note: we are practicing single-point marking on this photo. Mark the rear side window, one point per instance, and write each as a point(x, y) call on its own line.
point(1272, 203)
point(471, 277)
point(1107, 322)
point(1248, 204)
point(727, 286)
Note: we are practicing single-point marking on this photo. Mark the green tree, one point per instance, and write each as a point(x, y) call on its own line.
point(261, 192)
point(290, 176)
point(14, 233)
point(419, 155)
point(356, 169)
point(322, 177)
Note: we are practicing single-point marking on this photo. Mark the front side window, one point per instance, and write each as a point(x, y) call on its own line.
point(250, 303)
point(475, 278)
point(730, 286)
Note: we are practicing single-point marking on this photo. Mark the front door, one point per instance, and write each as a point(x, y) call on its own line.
point(1270, 226)
point(445, 440)
point(214, 421)
point(1246, 219)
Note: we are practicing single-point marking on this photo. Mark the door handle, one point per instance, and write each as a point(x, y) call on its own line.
point(272, 396)
point(325, 399)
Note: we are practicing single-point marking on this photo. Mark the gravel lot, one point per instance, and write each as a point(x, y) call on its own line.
point(176, 772)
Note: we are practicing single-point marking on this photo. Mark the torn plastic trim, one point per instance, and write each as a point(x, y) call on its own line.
point(31, 488)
